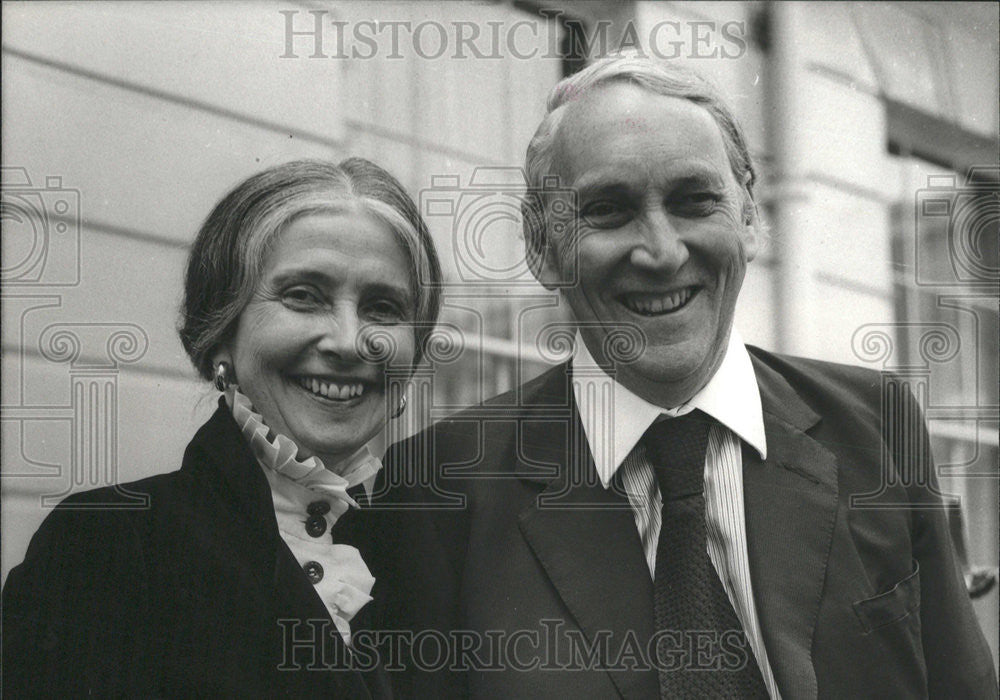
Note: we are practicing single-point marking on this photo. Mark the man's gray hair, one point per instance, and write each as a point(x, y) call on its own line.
point(661, 78)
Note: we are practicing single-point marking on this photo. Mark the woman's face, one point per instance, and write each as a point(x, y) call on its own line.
point(328, 278)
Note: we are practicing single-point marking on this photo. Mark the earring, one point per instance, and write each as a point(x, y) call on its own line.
point(223, 375)
point(402, 407)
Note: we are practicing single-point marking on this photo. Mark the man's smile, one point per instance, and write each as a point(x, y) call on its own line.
point(658, 303)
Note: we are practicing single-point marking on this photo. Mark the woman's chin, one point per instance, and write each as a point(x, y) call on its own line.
point(336, 428)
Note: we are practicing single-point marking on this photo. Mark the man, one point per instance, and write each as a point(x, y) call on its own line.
point(675, 520)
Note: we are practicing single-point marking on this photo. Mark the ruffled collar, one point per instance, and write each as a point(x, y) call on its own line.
point(280, 454)
point(308, 499)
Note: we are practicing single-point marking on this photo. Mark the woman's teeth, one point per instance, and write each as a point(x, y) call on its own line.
point(331, 390)
point(658, 305)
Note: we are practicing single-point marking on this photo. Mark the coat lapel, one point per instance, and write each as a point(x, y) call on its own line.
point(790, 502)
point(220, 450)
point(583, 535)
point(220, 457)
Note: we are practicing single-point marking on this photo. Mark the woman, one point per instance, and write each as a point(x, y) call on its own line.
point(246, 574)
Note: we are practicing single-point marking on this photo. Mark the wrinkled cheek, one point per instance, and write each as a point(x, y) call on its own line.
point(395, 348)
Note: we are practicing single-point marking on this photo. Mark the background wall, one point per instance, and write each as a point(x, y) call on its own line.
point(124, 122)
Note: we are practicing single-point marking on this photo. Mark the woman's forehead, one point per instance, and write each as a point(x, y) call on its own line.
point(340, 246)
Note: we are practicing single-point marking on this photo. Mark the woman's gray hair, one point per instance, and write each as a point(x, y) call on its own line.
point(227, 259)
point(660, 78)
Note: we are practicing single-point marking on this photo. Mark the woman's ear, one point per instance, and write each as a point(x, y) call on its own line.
point(223, 368)
point(221, 354)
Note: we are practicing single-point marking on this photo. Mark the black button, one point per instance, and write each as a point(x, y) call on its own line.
point(316, 526)
point(318, 508)
point(313, 571)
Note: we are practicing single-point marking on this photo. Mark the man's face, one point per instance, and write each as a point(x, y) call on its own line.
point(661, 236)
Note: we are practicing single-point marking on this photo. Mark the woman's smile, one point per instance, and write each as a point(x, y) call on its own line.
point(332, 390)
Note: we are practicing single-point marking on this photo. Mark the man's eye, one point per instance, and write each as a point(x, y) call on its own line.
point(605, 214)
point(698, 203)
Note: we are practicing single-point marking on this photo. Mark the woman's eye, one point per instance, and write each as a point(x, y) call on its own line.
point(300, 297)
point(385, 311)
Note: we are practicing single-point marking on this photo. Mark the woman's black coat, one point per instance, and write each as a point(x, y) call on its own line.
point(178, 585)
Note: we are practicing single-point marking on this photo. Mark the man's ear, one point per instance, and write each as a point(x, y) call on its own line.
point(750, 230)
point(543, 265)
point(538, 251)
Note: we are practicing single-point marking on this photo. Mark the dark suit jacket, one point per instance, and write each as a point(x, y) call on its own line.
point(853, 602)
point(181, 598)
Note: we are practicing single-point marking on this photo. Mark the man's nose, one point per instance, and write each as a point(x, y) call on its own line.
point(661, 248)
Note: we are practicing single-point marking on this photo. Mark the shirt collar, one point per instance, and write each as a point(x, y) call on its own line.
point(731, 396)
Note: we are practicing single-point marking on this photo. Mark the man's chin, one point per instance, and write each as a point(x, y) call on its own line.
point(665, 382)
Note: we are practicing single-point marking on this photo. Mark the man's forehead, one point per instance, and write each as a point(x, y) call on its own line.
point(620, 125)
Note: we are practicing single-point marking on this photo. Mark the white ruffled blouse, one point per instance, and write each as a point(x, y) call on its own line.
point(308, 498)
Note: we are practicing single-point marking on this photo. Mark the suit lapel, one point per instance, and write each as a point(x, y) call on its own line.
point(790, 502)
point(583, 535)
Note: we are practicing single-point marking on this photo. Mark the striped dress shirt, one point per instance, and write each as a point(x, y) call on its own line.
point(614, 421)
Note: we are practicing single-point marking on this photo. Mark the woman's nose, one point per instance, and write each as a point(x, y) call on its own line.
point(340, 334)
point(661, 247)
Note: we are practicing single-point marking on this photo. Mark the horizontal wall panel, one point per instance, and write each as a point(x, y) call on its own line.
point(126, 285)
point(847, 237)
point(216, 54)
point(845, 132)
point(136, 162)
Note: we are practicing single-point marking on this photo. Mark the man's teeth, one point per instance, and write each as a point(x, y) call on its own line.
point(659, 305)
point(331, 390)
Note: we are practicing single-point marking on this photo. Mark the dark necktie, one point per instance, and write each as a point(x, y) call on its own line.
point(702, 650)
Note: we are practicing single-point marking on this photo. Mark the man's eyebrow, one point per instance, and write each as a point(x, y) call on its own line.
point(603, 180)
point(700, 179)
point(604, 188)
point(620, 181)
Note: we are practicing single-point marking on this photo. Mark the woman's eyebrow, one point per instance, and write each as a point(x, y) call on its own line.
point(300, 274)
point(305, 274)
point(389, 289)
